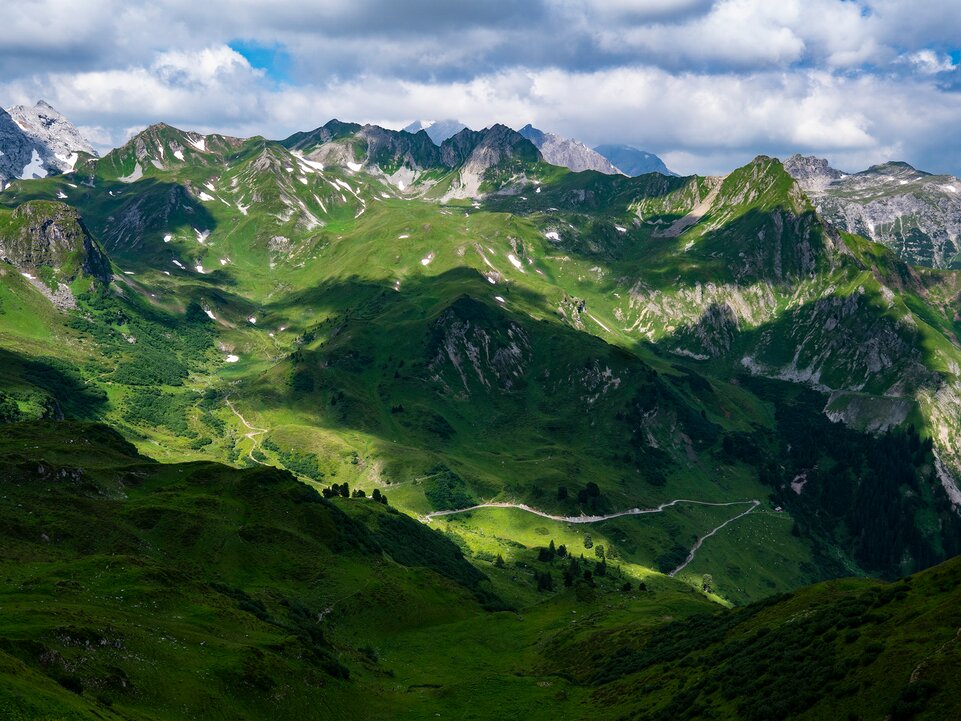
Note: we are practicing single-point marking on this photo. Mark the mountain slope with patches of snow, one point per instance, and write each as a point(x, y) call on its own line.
point(916, 214)
point(36, 141)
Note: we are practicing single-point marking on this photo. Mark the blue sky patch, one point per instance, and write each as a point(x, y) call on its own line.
point(271, 58)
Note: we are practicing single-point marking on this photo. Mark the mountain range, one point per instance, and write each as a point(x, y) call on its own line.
point(359, 425)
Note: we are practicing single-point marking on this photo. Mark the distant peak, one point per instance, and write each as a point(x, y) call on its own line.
point(633, 161)
point(437, 130)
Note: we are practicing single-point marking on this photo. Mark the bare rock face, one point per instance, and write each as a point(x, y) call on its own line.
point(567, 153)
point(17, 150)
point(916, 214)
point(50, 239)
point(486, 160)
point(472, 350)
point(812, 174)
point(37, 141)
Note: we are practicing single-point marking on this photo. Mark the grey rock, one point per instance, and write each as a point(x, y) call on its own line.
point(36, 141)
point(916, 214)
point(566, 152)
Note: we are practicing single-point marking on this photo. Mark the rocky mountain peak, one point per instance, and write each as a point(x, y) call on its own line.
point(36, 141)
point(811, 173)
point(567, 152)
point(913, 212)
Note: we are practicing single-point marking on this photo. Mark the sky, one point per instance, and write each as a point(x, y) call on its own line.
point(705, 84)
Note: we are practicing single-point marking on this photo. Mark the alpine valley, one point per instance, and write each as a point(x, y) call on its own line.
point(376, 424)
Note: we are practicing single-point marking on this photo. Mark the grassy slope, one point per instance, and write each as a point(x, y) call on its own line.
point(339, 304)
point(846, 649)
point(244, 593)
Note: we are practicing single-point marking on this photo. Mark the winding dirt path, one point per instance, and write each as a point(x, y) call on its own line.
point(754, 503)
point(251, 434)
point(690, 556)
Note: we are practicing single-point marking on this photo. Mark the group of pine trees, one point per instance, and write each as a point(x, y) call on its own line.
point(342, 490)
point(578, 570)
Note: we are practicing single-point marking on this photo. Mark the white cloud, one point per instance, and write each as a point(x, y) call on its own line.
point(705, 82)
point(930, 62)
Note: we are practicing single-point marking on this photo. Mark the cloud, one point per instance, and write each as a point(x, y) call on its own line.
point(708, 83)
point(930, 62)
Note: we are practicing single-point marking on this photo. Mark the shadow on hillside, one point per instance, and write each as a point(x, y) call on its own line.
point(54, 384)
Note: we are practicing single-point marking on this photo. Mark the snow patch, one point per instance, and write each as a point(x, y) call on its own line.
point(179, 154)
point(200, 144)
point(252, 320)
point(499, 299)
point(168, 237)
point(354, 166)
point(426, 261)
point(311, 163)
point(620, 228)
point(71, 160)
point(210, 314)
point(179, 264)
point(202, 235)
point(232, 358)
point(403, 236)
point(205, 196)
point(224, 261)
point(200, 269)
point(33, 169)
point(552, 235)
point(515, 262)
point(61, 195)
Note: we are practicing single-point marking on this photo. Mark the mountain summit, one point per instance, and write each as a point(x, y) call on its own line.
point(567, 152)
point(916, 214)
point(36, 141)
point(631, 161)
point(437, 130)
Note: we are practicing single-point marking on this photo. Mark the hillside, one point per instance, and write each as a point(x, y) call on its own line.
point(696, 386)
point(244, 591)
point(846, 649)
point(392, 339)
